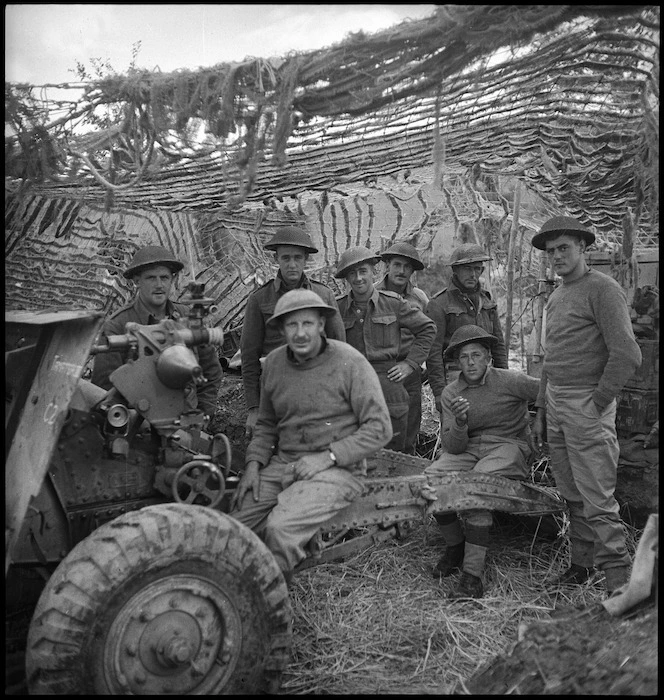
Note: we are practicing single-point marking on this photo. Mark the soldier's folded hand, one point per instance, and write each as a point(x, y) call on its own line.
point(309, 465)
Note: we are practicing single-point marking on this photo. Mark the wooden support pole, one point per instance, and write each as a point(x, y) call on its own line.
point(510, 265)
point(519, 257)
point(538, 350)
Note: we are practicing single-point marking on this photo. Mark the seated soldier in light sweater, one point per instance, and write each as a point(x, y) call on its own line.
point(321, 412)
point(485, 424)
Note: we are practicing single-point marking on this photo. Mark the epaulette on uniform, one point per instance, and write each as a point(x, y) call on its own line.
point(388, 293)
point(437, 294)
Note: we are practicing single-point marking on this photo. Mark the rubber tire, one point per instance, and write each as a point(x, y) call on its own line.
point(70, 649)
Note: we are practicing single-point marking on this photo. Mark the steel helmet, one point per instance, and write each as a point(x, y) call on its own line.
point(469, 334)
point(152, 255)
point(291, 235)
point(404, 250)
point(354, 256)
point(468, 253)
point(559, 225)
point(296, 300)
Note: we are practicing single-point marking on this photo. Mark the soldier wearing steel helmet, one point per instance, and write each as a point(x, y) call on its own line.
point(402, 260)
point(291, 247)
point(321, 413)
point(484, 430)
point(374, 320)
point(463, 302)
point(153, 270)
point(590, 354)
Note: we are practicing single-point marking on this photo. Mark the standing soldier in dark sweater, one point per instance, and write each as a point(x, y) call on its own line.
point(321, 413)
point(402, 261)
point(292, 247)
point(374, 320)
point(463, 302)
point(485, 430)
point(589, 355)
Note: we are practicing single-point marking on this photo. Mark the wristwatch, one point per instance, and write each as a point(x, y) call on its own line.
point(333, 458)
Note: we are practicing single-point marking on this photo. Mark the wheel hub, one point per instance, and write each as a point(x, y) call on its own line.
point(171, 640)
point(175, 652)
point(180, 636)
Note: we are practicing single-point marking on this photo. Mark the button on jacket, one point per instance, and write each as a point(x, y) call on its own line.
point(208, 358)
point(450, 309)
point(257, 340)
point(415, 296)
point(387, 314)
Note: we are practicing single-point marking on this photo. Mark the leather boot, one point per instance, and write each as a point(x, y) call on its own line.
point(575, 575)
point(616, 577)
point(469, 586)
point(581, 569)
point(450, 528)
point(470, 583)
point(474, 556)
point(450, 561)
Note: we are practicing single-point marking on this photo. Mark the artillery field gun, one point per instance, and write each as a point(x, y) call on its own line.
point(120, 500)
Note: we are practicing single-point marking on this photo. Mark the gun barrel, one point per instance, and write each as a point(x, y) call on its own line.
point(185, 336)
point(212, 336)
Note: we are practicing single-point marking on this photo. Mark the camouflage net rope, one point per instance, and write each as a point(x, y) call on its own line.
point(423, 133)
point(563, 97)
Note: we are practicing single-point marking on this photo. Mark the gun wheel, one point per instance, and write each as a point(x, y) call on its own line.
point(169, 599)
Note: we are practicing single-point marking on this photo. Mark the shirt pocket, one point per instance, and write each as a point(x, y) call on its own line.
point(349, 322)
point(385, 331)
point(456, 310)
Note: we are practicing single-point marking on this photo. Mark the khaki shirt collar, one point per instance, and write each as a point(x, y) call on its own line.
point(383, 285)
point(373, 298)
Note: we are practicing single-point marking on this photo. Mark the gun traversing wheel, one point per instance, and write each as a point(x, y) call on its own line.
point(199, 480)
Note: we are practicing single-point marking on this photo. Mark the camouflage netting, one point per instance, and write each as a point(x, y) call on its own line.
point(402, 134)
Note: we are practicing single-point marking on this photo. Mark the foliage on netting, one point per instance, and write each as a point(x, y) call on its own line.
point(565, 98)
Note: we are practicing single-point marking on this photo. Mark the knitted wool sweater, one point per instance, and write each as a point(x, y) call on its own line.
point(497, 406)
point(331, 402)
point(589, 338)
point(258, 339)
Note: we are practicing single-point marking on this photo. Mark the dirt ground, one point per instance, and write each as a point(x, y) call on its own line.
point(585, 652)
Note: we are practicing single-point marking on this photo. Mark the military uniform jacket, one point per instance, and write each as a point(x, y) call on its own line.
point(387, 314)
point(419, 299)
point(450, 309)
point(257, 340)
point(204, 397)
